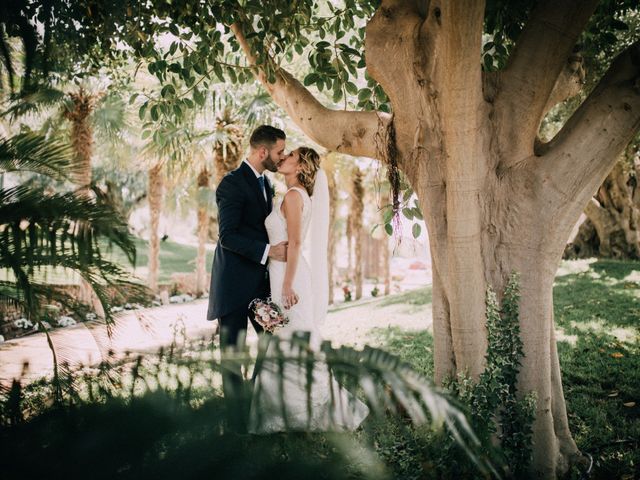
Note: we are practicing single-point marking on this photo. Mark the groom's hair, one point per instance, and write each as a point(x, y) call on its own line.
point(266, 135)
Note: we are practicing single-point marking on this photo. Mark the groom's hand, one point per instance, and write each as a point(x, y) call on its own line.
point(278, 252)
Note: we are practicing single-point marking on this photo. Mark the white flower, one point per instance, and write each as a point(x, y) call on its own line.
point(66, 321)
point(176, 299)
point(1, 339)
point(90, 316)
point(23, 323)
point(116, 309)
point(261, 312)
point(44, 325)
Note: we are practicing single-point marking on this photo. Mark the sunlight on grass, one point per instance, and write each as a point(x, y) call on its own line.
point(634, 276)
point(600, 326)
point(561, 336)
point(569, 267)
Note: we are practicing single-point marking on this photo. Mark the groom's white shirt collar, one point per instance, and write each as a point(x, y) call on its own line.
point(258, 175)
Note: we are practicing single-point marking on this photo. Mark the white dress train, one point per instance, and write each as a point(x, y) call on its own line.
point(290, 399)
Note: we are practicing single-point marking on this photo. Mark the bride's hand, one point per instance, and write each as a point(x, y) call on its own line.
point(289, 297)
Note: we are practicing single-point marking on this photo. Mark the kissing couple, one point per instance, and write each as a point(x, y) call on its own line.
point(259, 256)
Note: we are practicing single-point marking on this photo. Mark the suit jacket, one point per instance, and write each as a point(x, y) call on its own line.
point(237, 274)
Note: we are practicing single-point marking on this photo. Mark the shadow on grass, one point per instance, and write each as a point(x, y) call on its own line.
point(601, 379)
point(600, 294)
point(600, 308)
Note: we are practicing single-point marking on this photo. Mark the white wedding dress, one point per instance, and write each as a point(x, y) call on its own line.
point(285, 396)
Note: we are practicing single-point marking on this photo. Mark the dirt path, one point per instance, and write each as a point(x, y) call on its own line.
point(146, 330)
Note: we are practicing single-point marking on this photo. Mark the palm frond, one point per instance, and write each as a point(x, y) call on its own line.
point(31, 220)
point(35, 153)
point(110, 118)
point(5, 51)
point(34, 102)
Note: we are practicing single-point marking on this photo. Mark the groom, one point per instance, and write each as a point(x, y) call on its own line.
point(239, 272)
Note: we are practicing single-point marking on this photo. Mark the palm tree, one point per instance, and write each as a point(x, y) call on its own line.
point(41, 231)
point(155, 194)
point(163, 154)
point(355, 215)
point(81, 106)
point(329, 166)
point(79, 113)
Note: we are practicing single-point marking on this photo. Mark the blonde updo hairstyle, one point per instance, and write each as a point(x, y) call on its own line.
point(309, 163)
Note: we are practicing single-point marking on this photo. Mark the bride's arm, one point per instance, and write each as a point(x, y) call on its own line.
point(292, 211)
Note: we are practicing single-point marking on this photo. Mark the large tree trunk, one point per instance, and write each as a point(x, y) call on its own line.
point(495, 199)
point(203, 230)
point(156, 193)
point(355, 215)
point(612, 226)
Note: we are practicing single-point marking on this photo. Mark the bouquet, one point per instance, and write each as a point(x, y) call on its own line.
point(268, 314)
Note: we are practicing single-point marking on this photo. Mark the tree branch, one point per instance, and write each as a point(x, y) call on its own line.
point(541, 53)
point(399, 46)
point(341, 131)
point(585, 150)
point(568, 84)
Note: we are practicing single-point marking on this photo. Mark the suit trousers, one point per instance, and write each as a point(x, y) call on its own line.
point(233, 330)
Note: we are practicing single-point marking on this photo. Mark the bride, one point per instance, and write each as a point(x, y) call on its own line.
point(285, 397)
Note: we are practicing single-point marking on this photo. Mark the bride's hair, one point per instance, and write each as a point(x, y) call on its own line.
point(309, 164)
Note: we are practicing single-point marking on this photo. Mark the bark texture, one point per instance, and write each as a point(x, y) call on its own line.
point(333, 234)
point(156, 193)
point(355, 215)
point(82, 106)
point(386, 265)
point(204, 180)
point(495, 199)
point(226, 156)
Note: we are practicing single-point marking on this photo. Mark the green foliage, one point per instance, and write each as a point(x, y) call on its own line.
point(40, 230)
point(407, 206)
point(493, 401)
point(198, 49)
point(162, 416)
point(607, 33)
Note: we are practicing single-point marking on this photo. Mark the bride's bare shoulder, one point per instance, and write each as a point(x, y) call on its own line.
point(292, 202)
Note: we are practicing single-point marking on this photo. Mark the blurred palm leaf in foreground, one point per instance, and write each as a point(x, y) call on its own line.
point(163, 416)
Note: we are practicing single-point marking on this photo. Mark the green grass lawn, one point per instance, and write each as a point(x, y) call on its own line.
point(597, 313)
point(174, 258)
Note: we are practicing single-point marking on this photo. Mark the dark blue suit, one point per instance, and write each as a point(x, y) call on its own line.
point(237, 277)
